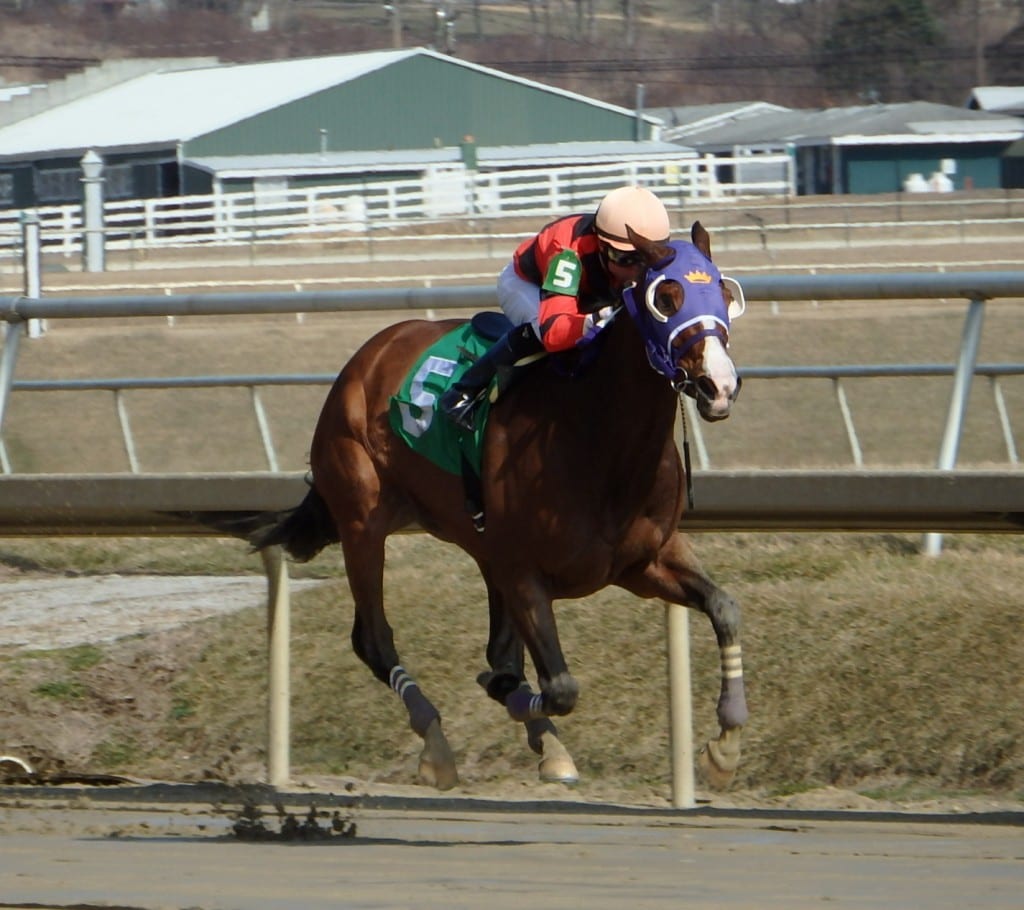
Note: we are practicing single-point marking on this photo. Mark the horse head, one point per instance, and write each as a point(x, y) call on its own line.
point(683, 307)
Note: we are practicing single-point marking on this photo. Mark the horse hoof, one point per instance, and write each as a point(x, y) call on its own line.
point(437, 761)
point(556, 764)
point(715, 773)
point(560, 770)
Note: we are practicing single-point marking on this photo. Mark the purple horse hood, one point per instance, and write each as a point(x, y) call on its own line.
point(703, 302)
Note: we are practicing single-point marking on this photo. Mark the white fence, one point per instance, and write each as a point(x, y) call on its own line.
point(321, 212)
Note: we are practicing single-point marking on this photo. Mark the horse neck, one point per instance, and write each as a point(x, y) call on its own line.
point(640, 403)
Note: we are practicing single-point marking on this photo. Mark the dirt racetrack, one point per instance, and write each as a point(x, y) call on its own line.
point(172, 846)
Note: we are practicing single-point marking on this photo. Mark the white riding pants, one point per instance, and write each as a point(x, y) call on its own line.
point(519, 299)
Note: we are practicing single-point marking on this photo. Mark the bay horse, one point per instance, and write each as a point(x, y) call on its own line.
point(583, 488)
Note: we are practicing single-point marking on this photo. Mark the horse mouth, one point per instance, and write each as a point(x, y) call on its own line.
point(708, 412)
point(712, 404)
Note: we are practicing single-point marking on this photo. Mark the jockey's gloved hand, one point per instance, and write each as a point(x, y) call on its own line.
point(597, 321)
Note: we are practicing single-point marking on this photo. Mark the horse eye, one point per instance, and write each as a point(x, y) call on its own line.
point(669, 299)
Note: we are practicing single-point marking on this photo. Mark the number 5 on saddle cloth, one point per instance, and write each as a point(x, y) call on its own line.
point(416, 418)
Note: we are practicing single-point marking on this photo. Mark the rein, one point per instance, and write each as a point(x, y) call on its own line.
point(686, 453)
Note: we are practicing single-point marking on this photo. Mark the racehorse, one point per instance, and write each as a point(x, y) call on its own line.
point(582, 485)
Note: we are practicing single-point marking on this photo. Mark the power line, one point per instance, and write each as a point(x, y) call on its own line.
point(719, 64)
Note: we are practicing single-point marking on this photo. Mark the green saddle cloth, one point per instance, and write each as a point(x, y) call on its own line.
point(414, 412)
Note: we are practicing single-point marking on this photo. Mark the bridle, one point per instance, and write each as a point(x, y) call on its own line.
point(683, 383)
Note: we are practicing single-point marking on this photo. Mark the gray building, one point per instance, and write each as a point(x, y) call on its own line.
point(878, 148)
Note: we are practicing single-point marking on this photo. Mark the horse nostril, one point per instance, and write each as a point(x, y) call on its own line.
point(707, 386)
point(739, 385)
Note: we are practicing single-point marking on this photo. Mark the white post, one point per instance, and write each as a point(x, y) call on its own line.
point(31, 253)
point(278, 687)
point(680, 706)
point(8, 359)
point(92, 211)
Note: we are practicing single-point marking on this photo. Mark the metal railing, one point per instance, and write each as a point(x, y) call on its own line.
point(975, 287)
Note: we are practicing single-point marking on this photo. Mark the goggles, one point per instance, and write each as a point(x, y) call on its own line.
point(626, 259)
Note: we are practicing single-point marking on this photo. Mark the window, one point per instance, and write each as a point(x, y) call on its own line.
point(65, 184)
point(119, 183)
point(6, 189)
point(58, 185)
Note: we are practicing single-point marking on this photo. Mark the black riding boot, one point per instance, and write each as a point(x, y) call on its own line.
point(461, 400)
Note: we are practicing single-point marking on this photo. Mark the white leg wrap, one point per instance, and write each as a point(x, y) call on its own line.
point(401, 681)
point(732, 662)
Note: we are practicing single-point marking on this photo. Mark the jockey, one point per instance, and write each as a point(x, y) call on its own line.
point(562, 287)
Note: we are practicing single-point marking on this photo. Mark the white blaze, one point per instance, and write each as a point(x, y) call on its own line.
point(720, 369)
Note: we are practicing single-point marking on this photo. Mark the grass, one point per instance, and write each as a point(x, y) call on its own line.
point(869, 667)
point(61, 690)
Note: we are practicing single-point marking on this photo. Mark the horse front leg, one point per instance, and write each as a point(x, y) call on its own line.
point(719, 758)
point(506, 683)
point(676, 575)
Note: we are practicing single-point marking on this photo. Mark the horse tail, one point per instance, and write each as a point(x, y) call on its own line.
point(303, 531)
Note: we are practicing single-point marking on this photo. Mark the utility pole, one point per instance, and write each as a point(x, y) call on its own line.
point(979, 46)
point(396, 23)
point(445, 15)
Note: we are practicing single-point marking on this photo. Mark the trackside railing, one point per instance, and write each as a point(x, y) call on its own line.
point(974, 287)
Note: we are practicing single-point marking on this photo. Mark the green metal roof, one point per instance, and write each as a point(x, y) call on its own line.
point(411, 98)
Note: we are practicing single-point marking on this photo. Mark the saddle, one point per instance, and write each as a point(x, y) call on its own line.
point(416, 419)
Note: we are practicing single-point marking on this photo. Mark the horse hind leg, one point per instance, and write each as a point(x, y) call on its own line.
point(373, 643)
point(437, 761)
point(505, 682)
point(556, 764)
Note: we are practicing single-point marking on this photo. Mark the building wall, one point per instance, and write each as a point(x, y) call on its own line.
point(883, 169)
point(421, 102)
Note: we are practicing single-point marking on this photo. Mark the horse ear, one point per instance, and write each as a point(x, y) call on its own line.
point(701, 239)
point(734, 294)
point(654, 252)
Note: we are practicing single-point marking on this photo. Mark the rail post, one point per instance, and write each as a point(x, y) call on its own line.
point(31, 261)
point(680, 706)
point(92, 210)
point(279, 687)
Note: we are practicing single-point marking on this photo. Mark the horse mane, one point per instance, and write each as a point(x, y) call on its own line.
point(615, 354)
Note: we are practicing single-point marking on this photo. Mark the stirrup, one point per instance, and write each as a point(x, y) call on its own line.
point(460, 407)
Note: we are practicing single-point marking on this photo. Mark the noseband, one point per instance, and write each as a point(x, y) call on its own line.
point(699, 327)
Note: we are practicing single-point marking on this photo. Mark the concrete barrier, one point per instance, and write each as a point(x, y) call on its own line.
point(754, 500)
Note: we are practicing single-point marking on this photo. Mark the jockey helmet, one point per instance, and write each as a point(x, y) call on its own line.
point(634, 206)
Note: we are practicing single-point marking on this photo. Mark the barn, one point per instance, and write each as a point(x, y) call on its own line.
point(874, 148)
point(148, 123)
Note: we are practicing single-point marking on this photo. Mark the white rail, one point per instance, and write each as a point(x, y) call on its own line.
point(362, 210)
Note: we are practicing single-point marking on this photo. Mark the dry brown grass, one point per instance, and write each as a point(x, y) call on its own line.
point(869, 667)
